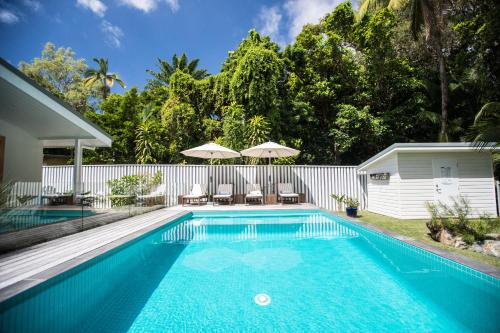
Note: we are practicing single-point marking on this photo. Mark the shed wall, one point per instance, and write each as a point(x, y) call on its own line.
point(475, 180)
point(383, 195)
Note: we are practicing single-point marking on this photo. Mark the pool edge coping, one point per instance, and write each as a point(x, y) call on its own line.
point(460, 259)
point(45, 275)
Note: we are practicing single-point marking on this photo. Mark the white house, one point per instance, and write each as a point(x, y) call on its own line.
point(32, 119)
point(404, 176)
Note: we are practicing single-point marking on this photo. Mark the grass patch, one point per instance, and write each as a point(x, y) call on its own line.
point(417, 229)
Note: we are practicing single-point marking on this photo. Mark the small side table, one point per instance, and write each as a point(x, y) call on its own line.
point(302, 197)
point(239, 198)
point(271, 199)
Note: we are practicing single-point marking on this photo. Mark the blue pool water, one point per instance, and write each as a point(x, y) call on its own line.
point(202, 273)
point(19, 219)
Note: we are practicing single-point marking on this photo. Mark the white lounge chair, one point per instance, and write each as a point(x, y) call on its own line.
point(286, 193)
point(254, 194)
point(198, 192)
point(224, 193)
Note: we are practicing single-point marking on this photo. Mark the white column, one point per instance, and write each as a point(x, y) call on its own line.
point(77, 168)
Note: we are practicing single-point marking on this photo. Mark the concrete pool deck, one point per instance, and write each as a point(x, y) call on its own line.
point(26, 268)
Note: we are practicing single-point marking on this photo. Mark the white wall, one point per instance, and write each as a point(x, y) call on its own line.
point(23, 155)
point(476, 182)
point(383, 195)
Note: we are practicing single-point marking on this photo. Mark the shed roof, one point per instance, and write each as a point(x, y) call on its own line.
point(429, 147)
point(33, 109)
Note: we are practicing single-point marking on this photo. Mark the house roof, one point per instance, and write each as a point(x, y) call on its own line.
point(430, 147)
point(28, 106)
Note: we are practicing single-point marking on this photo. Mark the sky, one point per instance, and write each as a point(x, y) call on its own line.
point(133, 34)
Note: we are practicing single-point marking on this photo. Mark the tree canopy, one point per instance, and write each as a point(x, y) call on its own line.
point(345, 88)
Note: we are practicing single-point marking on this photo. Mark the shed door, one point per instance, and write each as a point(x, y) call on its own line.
point(445, 172)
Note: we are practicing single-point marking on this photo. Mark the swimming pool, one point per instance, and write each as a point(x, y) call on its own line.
point(282, 271)
point(20, 219)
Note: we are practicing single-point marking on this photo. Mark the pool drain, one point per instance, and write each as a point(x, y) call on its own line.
point(262, 299)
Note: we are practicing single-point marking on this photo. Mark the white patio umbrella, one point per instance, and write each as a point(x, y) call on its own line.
point(210, 151)
point(269, 150)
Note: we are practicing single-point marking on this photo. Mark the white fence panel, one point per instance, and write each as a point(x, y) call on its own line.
point(316, 182)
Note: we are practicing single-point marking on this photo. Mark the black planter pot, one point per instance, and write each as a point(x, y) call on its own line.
point(351, 212)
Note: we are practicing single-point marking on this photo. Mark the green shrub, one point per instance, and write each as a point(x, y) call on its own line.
point(454, 219)
point(482, 226)
point(133, 186)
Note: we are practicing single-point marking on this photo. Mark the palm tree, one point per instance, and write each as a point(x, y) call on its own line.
point(486, 127)
point(101, 75)
point(431, 17)
point(178, 63)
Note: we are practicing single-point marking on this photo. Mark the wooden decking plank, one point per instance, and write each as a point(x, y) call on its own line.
point(29, 262)
point(77, 243)
point(70, 238)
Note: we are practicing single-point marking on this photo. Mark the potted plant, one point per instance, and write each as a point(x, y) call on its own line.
point(351, 204)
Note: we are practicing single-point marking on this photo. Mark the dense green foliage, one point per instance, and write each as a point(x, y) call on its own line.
point(346, 88)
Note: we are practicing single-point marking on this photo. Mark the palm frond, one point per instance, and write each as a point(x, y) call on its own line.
point(120, 82)
point(486, 128)
point(183, 62)
point(193, 64)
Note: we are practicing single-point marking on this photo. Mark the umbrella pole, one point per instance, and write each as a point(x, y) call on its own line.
point(268, 177)
point(210, 175)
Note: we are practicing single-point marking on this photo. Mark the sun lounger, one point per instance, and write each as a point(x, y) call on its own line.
point(224, 193)
point(286, 194)
point(55, 198)
point(198, 192)
point(254, 194)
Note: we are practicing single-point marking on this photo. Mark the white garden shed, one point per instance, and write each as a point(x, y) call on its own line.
point(404, 176)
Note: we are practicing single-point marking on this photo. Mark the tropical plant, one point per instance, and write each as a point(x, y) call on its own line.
point(149, 146)
point(132, 186)
point(257, 130)
point(181, 63)
point(101, 75)
point(455, 218)
point(5, 190)
point(431, 16)
point(486, 127)
point(349, 202)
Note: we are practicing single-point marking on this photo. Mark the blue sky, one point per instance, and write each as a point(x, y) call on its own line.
point(132, 34)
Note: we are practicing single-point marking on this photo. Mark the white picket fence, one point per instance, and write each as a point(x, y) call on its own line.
point(316, 182)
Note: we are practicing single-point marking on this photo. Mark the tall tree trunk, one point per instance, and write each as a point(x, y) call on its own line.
point(445, 96)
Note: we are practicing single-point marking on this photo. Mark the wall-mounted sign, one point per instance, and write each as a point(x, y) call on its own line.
point(380, 176)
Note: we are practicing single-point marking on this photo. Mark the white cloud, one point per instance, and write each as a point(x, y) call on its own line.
point(173, 4)
point(269, 23)
point(112, 33)
point(34, 5)
point(8, 17)
point(96, 6)
point(284, 23)
point(301, 12)
point(150, 5)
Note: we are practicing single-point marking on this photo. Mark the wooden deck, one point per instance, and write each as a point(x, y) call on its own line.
point(24, 238)
point(23, 269)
